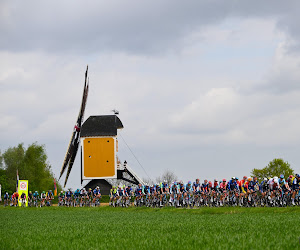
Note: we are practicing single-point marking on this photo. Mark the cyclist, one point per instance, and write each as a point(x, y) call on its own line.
point(223, 188)
point(188, 193)
point(295, 188)
point(23, 199)
point(68, 197)
point(61, 198)
point(173, 193)
point(36, 197)
point(128, 194)
point(49, 197)
point(15, 198)
point(138, 194)
point(111, 195)
point(205, 190)
point(97, 196)
point(90, 195)
point(43, 198)
point(283, 186)
point(264, 187)
point(29, 198)
point(6, 199)
point(77, 194)
point(164, 192)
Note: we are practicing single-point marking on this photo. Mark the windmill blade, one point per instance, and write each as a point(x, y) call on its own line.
point(76, 132)
point(72, 161)
point(68, 155)
point(84, 98)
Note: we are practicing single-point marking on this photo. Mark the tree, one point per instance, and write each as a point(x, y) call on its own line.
point(274, 168)
point(168, 176)
point(31, 164)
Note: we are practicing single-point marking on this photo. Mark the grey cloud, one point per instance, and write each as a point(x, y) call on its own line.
point(132, 26)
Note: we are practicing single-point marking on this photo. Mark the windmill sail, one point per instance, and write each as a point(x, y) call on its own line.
point(73, 144)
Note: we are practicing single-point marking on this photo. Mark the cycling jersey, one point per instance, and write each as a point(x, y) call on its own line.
point(244, 187)
point(128, 191)
point(205, 187)
point(96, 191)
point(68, 194)
point(196, 187)
point(164, 187)
point(232, 185)
point(174, 189)
point(223, 186)
point(251, 185)
point(77, 193)
point(120, 192)
point(282, 183)
point(188, 187)
point(264, 186)
point(295, 183)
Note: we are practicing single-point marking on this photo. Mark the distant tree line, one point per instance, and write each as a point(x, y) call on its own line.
point(274, 168)
point(31, 164)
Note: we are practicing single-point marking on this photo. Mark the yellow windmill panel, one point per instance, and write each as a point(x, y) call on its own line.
point(99, 157)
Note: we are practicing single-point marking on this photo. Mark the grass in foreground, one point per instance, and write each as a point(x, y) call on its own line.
point(148, 228)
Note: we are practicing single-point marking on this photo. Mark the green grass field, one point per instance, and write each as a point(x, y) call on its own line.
point(148, 228)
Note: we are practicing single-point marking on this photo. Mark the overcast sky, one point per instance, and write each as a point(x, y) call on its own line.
point(207, 89)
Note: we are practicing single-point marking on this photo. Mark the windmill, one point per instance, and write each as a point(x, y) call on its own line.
point(99, 147)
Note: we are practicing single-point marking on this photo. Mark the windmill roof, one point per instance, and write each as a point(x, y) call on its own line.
point(101, 125)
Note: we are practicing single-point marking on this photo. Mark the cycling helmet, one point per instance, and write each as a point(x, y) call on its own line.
point(249, 179)
point(281, 176)
point(245, 177)
point(291, 176)
point(197, 180)
point(224, 180)
point(61, 191)
point(265, 179)
point(236, 178)
point(232, 178)
point(189, 182)
point(297, 175)
point(97, 187)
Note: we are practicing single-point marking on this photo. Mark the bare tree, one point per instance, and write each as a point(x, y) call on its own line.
point(168, 176)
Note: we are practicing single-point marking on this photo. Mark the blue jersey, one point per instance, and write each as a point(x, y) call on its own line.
point(96, 191)
point(263, 187)
point(68, 194)
point(128, 191)
point(77, 193)
point(196, 186)
point(205, 187)
point(232, 185)
point(188, 187)
point(281, 183)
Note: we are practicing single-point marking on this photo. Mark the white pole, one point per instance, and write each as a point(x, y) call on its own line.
point(0, 193)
